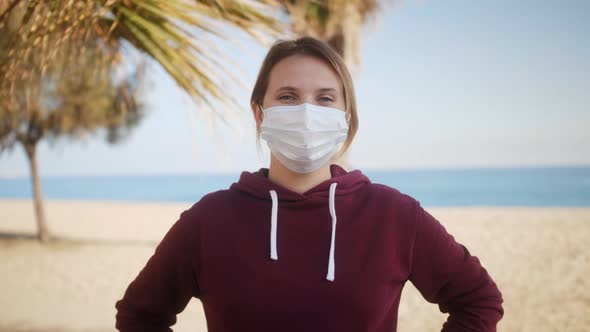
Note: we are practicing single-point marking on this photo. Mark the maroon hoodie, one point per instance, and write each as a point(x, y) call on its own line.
point(261, 257)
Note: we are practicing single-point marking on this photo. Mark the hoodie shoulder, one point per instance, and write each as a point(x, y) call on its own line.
point(213, 200)
point(393, 196)
point(400, 208)
point(209, 209)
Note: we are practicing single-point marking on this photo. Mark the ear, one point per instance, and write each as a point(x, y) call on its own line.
point(258, 115)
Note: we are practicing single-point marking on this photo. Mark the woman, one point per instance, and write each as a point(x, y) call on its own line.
point(305, 245)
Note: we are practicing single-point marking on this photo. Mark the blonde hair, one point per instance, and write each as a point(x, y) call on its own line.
point(313, 47)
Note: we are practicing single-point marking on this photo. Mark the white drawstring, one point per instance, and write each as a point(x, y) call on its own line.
point(331, 266)
point(273, 226)
point(273, 229)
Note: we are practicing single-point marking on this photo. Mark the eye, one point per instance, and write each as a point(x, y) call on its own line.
point(286, 97)
point(326, 99)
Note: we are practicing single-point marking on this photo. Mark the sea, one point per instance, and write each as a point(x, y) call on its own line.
point(523, 186)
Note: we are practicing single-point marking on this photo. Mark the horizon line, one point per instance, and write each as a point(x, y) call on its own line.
point(364, 169)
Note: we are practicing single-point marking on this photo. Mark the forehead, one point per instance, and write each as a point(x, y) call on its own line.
point(303, 72)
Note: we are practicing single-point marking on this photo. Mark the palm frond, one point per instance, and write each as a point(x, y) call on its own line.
point(180, 35)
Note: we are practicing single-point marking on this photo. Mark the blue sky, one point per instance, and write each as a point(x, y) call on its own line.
point(443, 85)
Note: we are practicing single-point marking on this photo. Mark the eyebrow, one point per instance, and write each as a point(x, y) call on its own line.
point(291, 88)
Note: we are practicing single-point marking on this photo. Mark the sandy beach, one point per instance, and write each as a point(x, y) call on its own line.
point(538, 257)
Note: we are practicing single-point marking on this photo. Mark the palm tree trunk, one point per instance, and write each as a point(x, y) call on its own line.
point(42, 230)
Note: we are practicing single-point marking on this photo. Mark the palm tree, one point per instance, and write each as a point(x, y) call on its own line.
point(180, 35)
point(336, 22)
point(58, 59)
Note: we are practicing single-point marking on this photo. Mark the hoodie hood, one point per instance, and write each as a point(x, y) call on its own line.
point(342, 182)
point(258, 184)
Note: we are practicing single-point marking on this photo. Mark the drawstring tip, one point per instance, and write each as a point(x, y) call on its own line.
point(274, 257)
point(330, 275)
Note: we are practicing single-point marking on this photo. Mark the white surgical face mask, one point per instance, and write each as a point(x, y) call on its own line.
point(305, 136)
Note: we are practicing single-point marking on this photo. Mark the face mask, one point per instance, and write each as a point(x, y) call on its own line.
point(305, 136)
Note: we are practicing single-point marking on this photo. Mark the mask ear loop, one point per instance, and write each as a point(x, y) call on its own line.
point(261, 110)
point(258, 132)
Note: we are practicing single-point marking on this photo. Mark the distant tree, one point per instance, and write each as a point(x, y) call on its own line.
point(70, 99)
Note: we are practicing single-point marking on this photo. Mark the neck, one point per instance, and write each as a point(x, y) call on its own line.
point(297, 182)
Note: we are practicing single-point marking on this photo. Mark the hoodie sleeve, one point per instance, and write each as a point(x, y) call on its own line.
point(165, 285)
point(444, 272)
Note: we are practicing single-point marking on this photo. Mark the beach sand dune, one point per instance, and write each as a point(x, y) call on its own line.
point(539, 258)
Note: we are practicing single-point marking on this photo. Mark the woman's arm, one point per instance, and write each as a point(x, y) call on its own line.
point(163, 288)
point(444, 272)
